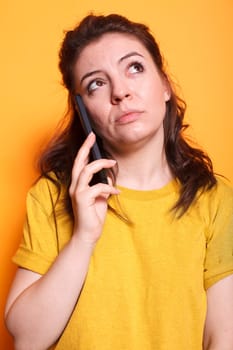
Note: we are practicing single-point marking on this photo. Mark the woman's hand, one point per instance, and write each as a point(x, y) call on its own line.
point(89, 202)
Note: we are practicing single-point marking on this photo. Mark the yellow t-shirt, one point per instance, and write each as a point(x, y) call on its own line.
point(145, 287)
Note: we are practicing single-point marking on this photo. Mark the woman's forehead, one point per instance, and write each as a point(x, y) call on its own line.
point(109, 40)
point(115, 45)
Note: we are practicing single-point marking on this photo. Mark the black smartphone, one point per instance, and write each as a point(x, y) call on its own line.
point(95, 151)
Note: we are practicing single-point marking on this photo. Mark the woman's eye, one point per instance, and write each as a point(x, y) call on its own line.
point(136, 67)
point(93, 85)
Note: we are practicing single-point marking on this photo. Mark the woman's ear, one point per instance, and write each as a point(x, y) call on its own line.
point(167, 95)
point(167, 90)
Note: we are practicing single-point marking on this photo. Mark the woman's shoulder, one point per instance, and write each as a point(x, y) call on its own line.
point(224, 187)
point(221, 193)
point(46, 189)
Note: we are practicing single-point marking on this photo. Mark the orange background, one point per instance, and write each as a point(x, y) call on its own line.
point(196, 38)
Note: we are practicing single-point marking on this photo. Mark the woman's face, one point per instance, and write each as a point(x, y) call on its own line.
point(122, 90)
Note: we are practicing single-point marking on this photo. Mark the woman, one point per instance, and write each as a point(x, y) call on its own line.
point(145, 261)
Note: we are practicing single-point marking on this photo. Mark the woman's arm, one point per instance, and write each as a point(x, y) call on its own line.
point(218, 333)
point(39, 307)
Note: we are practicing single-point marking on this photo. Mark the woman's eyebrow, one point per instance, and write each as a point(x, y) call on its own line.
point(130, 54)
point(89, 74)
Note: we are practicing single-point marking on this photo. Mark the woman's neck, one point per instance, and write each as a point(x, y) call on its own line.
point(143, 168)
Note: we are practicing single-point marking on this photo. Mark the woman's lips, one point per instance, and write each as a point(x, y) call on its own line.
point(128, 117)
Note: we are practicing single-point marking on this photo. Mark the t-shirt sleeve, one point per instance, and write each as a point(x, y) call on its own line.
point(219, 245)
point(39, 244)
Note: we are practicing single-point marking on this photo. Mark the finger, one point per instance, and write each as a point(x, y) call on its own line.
point(110, 182)
point(96, 191)
point(82, 159)
point(92, 168)
point(84, 151)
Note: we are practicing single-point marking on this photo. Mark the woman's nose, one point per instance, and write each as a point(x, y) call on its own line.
point(120, 91)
